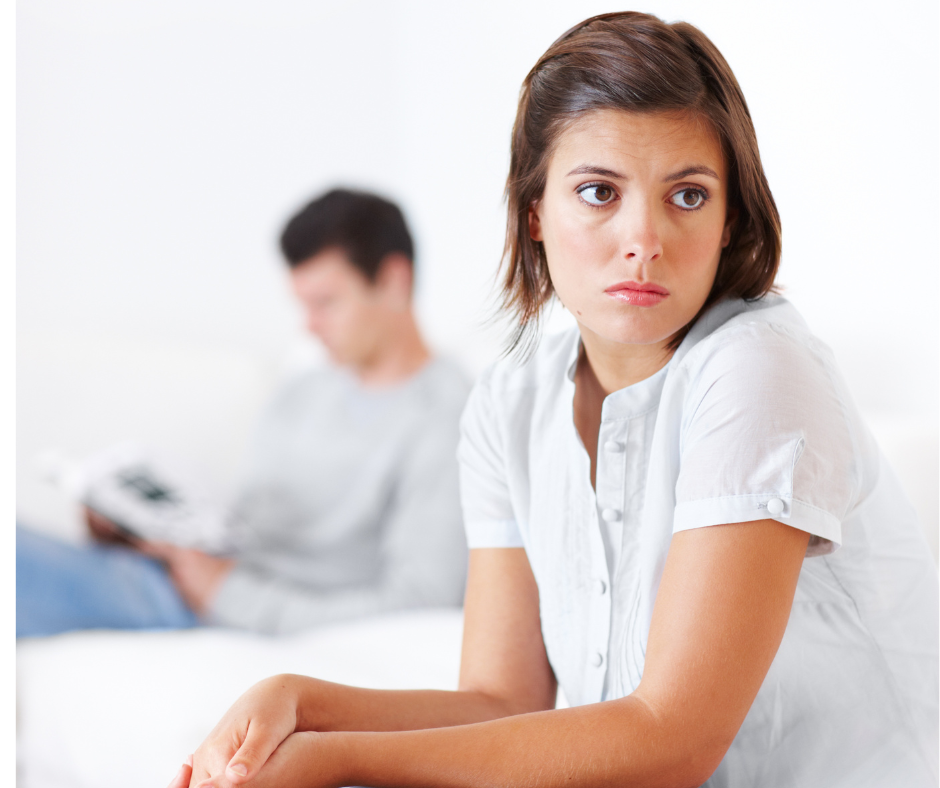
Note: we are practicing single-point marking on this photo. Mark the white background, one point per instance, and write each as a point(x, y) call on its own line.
point(161, 145)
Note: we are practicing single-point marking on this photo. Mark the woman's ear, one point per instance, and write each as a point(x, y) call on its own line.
point(535, 223)
point(730, 218)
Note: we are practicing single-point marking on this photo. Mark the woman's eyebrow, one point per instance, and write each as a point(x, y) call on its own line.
point(698, 169)
point(603, 172)
point(591, 169)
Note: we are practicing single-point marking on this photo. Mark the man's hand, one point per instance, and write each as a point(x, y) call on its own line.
point(103, 530)
point(196, 575)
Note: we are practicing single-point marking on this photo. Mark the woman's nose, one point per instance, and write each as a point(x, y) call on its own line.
point(641, 239)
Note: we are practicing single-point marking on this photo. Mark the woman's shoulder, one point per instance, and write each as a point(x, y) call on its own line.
point(763, 411)
point(548, 362)
point(754, 341)
point(519, 387)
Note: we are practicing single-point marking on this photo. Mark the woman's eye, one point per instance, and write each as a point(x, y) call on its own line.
point(688, 199)
point(596, 194)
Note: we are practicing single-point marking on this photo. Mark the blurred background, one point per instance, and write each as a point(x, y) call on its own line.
point(160, 147)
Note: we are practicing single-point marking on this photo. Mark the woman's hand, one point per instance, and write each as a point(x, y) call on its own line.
point(183, 775)
point(248, 733)
point(303, 760)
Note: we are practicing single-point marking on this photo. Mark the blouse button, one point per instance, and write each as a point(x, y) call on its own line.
point(613, 446)
point(600, 586)
point(775, 507)
point(597, 660)
point(610, 515)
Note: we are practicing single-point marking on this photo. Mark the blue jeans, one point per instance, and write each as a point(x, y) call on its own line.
point(62, 587)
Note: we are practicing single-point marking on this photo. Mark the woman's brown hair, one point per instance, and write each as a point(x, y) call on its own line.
point(636, 63)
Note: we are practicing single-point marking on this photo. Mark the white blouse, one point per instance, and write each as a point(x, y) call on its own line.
point(750, 419)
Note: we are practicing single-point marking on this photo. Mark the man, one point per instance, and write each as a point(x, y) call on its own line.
point(349, 505)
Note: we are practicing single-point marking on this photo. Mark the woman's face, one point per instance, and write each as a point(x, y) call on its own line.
point(633, 221)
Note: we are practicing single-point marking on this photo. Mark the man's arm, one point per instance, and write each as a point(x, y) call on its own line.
point(423, 552)
point(196, 575)
point(103, 530)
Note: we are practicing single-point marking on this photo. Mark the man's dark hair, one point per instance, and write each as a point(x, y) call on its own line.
point(365, 226)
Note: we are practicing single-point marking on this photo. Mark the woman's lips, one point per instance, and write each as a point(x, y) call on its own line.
point(637, 294)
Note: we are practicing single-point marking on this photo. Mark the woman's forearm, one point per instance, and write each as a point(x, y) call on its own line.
point(325, 706)
point(618, 743)
point(279, 717)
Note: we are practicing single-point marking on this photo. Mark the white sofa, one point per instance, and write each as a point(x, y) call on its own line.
point(121, 710)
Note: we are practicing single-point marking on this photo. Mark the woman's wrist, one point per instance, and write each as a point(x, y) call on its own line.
point(343, 754)
point(289, 691)
point(313, 701)
point(350, 757)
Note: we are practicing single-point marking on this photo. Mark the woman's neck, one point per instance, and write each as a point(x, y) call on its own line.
point(605, 367)
point(616, 365)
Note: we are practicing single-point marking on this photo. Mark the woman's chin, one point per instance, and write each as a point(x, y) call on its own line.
point(633, 331)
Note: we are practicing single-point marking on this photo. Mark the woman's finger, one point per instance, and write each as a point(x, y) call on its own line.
point(203, 771)
point(260, 742)
point(181, 780)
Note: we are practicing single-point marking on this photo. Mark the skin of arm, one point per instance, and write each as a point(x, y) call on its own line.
point(501, 635)
point(721, 611)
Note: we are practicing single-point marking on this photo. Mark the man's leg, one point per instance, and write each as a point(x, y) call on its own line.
point(61, 587)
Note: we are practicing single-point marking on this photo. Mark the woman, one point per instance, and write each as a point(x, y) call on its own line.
point(653, 502)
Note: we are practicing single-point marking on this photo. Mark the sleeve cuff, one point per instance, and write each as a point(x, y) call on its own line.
point(747, 508)
point(493, 533)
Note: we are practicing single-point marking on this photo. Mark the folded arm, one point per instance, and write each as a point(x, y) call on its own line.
point(720, 614)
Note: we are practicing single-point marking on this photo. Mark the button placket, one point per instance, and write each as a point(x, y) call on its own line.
point(611, 456)
point(612, 442)
point(599, 611)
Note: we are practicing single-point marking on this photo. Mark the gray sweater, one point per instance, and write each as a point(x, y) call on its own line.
point(350, 504)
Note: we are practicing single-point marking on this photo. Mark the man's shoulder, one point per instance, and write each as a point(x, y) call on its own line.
point(442, 385)
point(314, 378)
point(305, 390)
point(446, 375)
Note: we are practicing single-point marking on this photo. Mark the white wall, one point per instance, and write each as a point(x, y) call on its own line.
point(162, 144)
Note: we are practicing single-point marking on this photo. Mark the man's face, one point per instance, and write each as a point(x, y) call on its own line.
point(343, 309)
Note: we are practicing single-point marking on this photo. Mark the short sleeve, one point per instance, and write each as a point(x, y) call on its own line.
point(484, 491)
point(765, 434)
